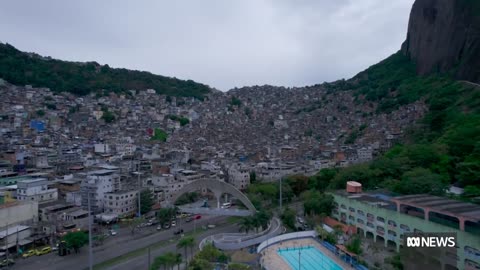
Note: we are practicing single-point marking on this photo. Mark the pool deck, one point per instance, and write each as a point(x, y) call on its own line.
point(272, 261)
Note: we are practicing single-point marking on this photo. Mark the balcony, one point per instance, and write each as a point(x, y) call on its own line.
point(391, 237)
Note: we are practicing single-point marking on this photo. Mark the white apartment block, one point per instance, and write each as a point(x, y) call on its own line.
point(36, 190)
point(102, 148)
point(121, 203)
point(97, 183)
point(270, 172)
point(364, 154)
point(125, 149)
point(168, 184)
point(239, 176)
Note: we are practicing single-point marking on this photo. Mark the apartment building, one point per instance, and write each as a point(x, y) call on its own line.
point(239, 176)
point(97, 183)
point(386, 219)
point(121, 203)
point(36, 190)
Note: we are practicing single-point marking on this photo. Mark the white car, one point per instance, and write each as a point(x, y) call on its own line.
point(174, 223)
point(112, 232)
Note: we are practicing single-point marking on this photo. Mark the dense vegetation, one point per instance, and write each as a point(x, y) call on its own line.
point(442, 149)
point(82, 78)
point(180, 119)
point(146, 201)
point(159, 135)
point(76, 240)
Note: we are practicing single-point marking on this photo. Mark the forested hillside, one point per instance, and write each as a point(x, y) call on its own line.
point(22, 68)
point(443, 149)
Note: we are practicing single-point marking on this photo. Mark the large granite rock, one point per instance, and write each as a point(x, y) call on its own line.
point(444, 36)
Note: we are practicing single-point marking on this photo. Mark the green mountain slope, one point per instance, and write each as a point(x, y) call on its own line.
point(22, 68)
point(443, 149)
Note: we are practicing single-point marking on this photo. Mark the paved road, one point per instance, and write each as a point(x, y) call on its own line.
point(113, 247)
point(141, 262)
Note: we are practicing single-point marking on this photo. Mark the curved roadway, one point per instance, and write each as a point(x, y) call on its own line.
point(231, 241)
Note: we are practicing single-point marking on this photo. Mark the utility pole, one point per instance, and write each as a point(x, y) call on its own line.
point(149, 261)
point(6, 245)
point(139, 191)
point(194, 225)
point(280, 199)
point(90, 251)
point(17, 242)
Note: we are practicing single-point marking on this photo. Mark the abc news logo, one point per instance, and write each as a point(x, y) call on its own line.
point(430, 240)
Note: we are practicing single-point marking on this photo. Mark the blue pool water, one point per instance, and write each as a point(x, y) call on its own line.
point(310, 259)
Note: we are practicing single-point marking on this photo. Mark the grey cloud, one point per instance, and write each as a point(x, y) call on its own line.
point(221, 43)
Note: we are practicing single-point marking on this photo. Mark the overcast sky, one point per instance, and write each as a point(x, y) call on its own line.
point(221, 43)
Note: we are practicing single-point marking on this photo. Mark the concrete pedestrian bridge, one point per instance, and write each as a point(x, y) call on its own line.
point(218, 188)
point(234, 241)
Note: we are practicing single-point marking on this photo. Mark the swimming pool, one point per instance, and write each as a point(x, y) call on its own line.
point(310, 259)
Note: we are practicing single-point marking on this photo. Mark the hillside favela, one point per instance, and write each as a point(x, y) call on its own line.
point(280, 135)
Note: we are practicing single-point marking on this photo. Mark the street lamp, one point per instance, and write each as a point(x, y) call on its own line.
point(90, 251)
point(139, 191)
point(280, 196)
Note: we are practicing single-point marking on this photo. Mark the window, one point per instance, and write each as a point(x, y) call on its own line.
point(351, 209)
point(381, 219)
point(392, 223)
point(360, 212)
point(343, 206)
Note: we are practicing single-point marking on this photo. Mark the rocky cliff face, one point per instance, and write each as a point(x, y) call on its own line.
point(444, 36)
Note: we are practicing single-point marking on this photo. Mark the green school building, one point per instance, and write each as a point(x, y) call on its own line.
point(386, 218)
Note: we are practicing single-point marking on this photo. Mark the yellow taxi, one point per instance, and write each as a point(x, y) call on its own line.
point(44, 250)
point(29, 253)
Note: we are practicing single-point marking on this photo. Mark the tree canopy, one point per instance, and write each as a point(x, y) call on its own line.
point(22, 68)
point(76, 240)
point(146, 201)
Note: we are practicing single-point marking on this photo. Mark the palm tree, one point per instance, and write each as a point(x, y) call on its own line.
point(178, 260)
point(159, 261)
point(246, 224)
point(321, 232)
point(186, 242)
point(171, 259)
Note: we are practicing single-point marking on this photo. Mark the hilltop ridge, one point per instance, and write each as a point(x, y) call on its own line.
point(81, 78)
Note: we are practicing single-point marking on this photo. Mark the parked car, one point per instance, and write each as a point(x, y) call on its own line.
point(300, 220)
point(211, 226)
point(159, 227)
point(189, 219)
point(166, 226)
point(7, 262)
point(179, 231)
point(113, 232)
point(43, 250)
point(29, 253)
point(174, 223)
point(197, 217)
